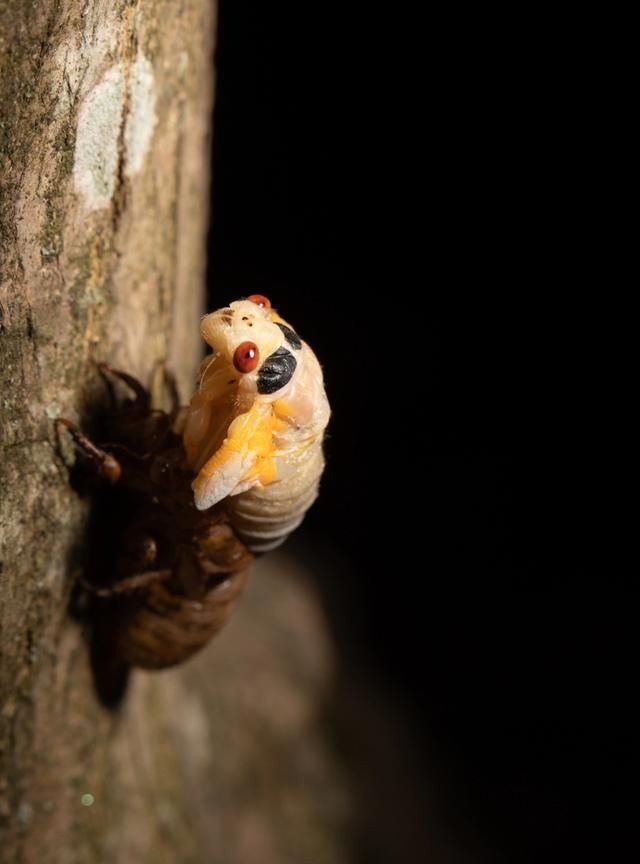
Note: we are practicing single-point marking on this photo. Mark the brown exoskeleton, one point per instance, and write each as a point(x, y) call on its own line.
point(178, 571)
point(209, 485)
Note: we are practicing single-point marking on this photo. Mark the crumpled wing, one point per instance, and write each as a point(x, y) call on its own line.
point(244, 459)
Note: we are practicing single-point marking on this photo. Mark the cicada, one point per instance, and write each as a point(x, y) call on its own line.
point(210, 485)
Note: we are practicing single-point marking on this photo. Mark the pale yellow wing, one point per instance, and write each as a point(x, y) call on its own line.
point(245, 458)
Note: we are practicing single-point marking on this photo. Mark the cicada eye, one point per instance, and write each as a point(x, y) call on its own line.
point(246, 357)
point(260, 300)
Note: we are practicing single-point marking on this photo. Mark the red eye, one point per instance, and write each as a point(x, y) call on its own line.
point(246, 357)
point(260, 300)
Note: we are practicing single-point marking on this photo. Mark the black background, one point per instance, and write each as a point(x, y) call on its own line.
point(400, 192)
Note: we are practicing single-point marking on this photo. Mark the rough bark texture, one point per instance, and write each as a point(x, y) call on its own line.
point(104, 164)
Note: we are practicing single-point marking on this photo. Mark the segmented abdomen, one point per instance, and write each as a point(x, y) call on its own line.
point(167, 628)
point(202, 571)
point(264, 518)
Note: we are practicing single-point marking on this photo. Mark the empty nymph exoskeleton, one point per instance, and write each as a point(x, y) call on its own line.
point(211, 484)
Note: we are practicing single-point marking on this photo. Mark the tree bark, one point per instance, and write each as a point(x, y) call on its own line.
point(105, 156)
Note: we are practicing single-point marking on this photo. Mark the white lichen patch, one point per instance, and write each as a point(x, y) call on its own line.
point(141, 118)
point(96, 154)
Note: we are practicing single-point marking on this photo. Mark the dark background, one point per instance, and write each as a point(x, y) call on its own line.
point(398, 192)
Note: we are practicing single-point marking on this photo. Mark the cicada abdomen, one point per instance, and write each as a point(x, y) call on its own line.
point(264, 518)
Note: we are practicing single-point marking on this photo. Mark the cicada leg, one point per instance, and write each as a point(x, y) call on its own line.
point(142, 394)
point(172, 389)
point(105, 463)
point(129, 584)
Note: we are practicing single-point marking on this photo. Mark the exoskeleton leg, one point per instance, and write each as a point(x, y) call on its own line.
point(172, 389)
point(130, 583)
point(142, 394)
point(105, 463)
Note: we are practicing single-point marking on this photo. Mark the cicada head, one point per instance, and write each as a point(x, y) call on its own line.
point(253, 344)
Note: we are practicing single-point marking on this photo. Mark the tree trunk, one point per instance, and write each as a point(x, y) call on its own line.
point(105, 155)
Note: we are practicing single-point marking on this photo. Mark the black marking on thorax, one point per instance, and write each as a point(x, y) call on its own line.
point(276, 371)
point(291, 336)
